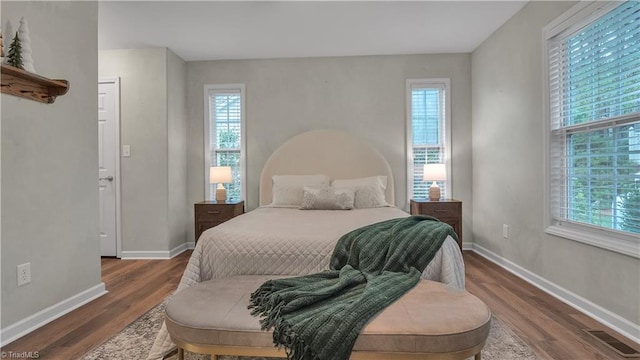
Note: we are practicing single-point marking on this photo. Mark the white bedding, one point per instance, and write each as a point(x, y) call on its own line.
point(282, 241)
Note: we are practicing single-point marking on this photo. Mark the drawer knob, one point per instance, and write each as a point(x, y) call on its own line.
point(440, 211)
point(213, 212)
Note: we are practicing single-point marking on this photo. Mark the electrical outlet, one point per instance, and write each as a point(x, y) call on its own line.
point(24, 274)
point(505, 231)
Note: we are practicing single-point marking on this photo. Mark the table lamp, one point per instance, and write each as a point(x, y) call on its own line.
point(220, 175)
point(434, 172)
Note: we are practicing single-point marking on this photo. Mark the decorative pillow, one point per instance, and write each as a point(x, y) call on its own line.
point(327, 198)
point(287, 189)
point(369, 191)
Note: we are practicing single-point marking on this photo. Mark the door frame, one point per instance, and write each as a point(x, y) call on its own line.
point(116, 181)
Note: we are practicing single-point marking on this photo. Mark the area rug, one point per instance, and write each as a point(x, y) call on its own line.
point(135, 341)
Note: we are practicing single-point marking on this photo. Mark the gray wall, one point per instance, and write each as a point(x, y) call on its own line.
point(363, 95)
point(177, 149)
point(143, 125)
point(152, 119)
point(508, 170)
point(49, 164)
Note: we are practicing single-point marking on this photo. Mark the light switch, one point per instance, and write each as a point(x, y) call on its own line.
point(126, 150)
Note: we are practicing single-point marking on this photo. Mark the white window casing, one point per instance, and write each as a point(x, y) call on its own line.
point(592, 125)
point(222, 112)
point(428, 133)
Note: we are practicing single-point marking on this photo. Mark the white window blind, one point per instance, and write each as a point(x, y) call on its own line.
point(427, 125)
point(225, 136)
point(594, 113)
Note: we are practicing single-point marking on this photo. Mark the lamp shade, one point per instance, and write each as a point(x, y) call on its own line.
point(220, 174)
point(434, 172)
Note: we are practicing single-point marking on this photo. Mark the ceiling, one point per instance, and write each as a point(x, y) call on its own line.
point(214, 30)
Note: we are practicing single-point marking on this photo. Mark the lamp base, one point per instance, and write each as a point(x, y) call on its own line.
point(221, 195)
point(434, 192)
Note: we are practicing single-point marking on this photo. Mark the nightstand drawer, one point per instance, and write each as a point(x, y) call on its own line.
point(440, 210)
point(204, 225)
point(208, 214)
point(215, 213)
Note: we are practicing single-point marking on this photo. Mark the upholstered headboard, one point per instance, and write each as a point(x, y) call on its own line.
point(336, 154)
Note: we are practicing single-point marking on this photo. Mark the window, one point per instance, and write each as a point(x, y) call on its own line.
point(225, 140)
point(593, 126)
point(427, 133)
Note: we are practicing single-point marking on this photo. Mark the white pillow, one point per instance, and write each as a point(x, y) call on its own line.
point(327, 198)
point(287, 189)
point(369, 191)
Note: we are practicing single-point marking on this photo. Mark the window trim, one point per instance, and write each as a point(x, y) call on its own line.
point(446, 129)
point(208, 89)
point(576, 17)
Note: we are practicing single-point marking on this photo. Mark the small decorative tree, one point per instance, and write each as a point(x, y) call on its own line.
point(15, 53)
point(25, 44)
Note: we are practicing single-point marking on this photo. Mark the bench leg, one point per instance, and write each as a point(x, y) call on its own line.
point(478, 356)
point(180, 353)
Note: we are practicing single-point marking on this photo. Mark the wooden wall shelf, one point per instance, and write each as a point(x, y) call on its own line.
point(24, 84)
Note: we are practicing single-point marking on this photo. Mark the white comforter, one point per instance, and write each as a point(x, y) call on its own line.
point(280, 241)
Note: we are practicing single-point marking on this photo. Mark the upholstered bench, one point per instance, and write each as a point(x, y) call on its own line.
point(431, 321)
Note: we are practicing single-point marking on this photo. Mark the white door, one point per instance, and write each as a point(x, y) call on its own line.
point(107, 164)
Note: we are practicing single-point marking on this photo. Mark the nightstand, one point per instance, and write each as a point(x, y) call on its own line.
point(208, 214)
point(448, 211)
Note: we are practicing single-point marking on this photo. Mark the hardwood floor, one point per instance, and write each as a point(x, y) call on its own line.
point(551, 328)
point(134, 287)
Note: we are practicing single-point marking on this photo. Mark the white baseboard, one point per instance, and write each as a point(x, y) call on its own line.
point(595, 311)
point(145, 255)
point(155, 255)
point(191, 245)
point(178, 250)
point(41, 318)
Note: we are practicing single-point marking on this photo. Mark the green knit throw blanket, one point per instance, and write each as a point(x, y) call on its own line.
point(319, 316)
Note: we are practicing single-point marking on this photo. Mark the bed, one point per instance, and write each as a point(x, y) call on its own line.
point(278, 238)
